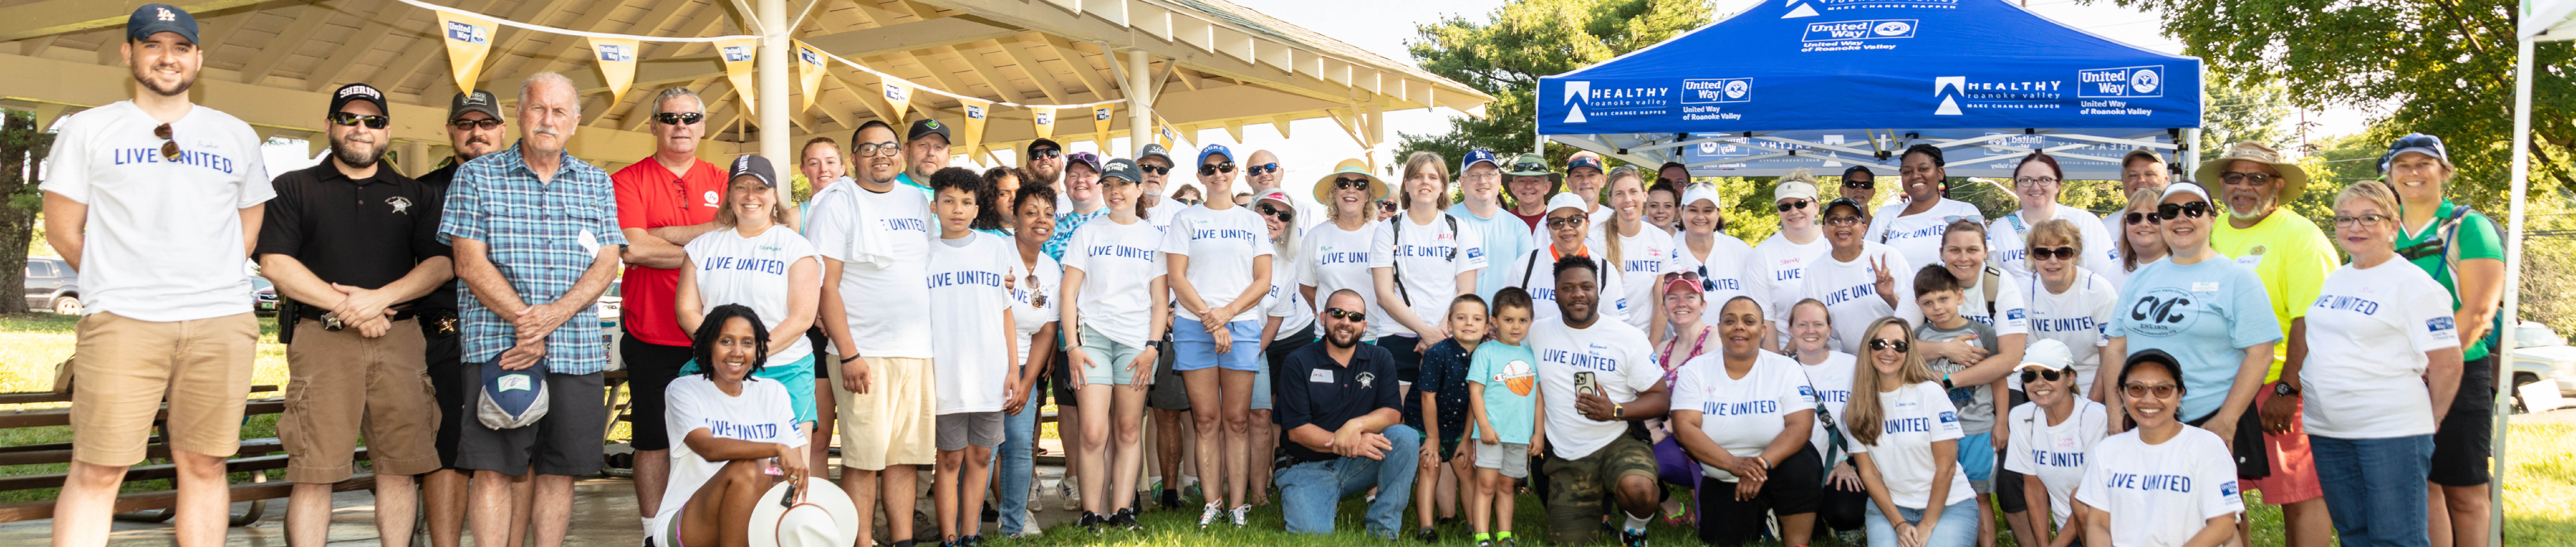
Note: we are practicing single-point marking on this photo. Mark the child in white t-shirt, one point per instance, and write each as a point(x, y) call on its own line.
point(973, 347)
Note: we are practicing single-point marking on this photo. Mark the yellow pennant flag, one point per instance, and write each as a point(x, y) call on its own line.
point(898, 94)
point(1100, 123)
point(970, 136)
point(1045, 118)
point(809, 72)
point(616, 64)
point(1166, 133)
point(469, 38)
point(737, 54)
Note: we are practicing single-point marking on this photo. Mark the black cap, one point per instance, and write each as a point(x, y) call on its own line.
point(1122, 169)
point(359, 92)
point(1856, 206)
point(1032, 150)
point(926, 127)
point(159, 18)
point(478, 101)
point(1155, 150)
point(756, 166)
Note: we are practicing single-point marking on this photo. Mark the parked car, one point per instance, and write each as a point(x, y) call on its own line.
point(51, 285)
point(2540, 354)
point(264, 293)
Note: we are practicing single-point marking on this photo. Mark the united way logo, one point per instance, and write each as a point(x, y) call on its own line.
point(616, 53)
point(1858, 30)
point(736, 54)
point(469, 33)
point(1720, 90)
point(2120, 83)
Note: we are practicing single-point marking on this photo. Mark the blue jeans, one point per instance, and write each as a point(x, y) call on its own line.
point(2372, 488)
point(1309, 492)
point(1018, 457)
point(1958, 526)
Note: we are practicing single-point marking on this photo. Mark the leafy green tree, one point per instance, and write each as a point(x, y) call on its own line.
point(1505, 55)
point(23, 147)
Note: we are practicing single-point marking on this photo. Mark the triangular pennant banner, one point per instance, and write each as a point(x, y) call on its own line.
point(738, 54)
point(468, 39)
point(616, 64)
point(1100, 125)
point(1045, 118)
point(971, 134)
point(809, 73)
point(898, 94)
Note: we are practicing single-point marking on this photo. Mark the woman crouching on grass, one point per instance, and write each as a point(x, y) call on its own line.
point(733, 436)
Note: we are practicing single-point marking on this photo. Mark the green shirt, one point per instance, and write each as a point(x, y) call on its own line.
point(2477, 239)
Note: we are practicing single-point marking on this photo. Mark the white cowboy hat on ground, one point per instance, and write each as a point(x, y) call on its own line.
point(821, 517)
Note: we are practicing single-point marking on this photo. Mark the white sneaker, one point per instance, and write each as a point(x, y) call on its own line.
point(1072, 493)
point(1031, 529)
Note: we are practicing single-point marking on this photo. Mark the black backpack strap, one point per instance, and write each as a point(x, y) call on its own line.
point(1397, 225)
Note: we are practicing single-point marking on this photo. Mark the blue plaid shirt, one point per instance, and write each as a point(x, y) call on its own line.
point(542, 236)
point(1065, 224)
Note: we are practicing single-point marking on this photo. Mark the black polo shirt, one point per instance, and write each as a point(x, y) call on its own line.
point(445, 297)
point(361, 233)
point(1313, 389)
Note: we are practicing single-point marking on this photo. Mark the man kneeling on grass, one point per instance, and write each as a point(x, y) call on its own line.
point(1337, 420)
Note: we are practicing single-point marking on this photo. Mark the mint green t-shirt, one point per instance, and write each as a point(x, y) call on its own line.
point(2477, 239)
point(1510, 376)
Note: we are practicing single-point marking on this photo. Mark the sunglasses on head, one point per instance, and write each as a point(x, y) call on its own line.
point(1883, 344)
point(1258, 170)
point(346, 119)
point(1799, 204)
point(1284, 215)
point(1211, 169)
point(169, 145)
point(2142, 390)
point(1529, 167)
point(679, 118)
point(1351, 184)
point(2029, 376)
point(1345, 315)
point(2171, 211)
point(2052, 253)
point(486, 123)
point(1046, 153)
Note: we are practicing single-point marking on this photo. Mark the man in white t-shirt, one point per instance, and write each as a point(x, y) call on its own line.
point(155, 201)
point(875, 238)
point(2140, 169)
point(1596, 374)
point(1913, 227)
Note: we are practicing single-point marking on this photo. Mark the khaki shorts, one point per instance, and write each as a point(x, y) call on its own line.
point(340, 384)
point(126, 366)
point(894, 423)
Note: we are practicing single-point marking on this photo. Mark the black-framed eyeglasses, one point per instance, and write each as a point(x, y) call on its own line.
point(2369, 221)
point(2050, 374)
point(1883, 344)
point(169, 145)
point(2035, 180)
point(1349, 183)
point(486, 123)
point(1842, 220)
point(2136, 218)
point(2194, 209)
point(2234, 178)
point(1154, 169)
point(1345, 315)
point(2141, 390)
point(348, 119)
point(2052, 253)
point(679, 118)
point(1211, 169)
point(1046, 153)
point(870, 149)
point(1799, 204)
point(1272, 211)
point(1258, 170)
point(1860, 184)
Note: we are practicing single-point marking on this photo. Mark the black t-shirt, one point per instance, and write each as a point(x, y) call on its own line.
point(1313, 389)
point(445, 297)
point(361, 233)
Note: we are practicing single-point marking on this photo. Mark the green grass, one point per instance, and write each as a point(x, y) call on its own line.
point(31, 344)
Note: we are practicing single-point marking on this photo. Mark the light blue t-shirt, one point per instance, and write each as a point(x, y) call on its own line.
point(1510, 376)
point(1504, 237)
point(2205, 314)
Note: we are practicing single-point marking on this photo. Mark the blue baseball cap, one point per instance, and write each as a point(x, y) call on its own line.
point(1476, 156)
point(2418, 143)
point(511, 398)
point(159, 18)
point(1214, 150)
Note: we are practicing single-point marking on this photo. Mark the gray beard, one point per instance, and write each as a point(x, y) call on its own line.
point(352, 158)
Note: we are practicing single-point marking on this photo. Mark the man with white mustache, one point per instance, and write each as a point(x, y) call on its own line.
point(474, 129)
point(351, 244)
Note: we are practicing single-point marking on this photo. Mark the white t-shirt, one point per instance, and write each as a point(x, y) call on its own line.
point(1730, 270)
point(1221, 246)
point(1832, 381)
point(1744, 414)
point(1337, 259)
point(2079, 318)
point(883, 242)
point(1644, 259)
point(2160, 494)
point(1033, 305)
point(164, 237)
point(1621, 363)
point(1162, 210)
point(1432, 256)
point(1284, 301)
point(2007, 242)
point(1119, 265)
point(2367, 334)
point(762, 414)
point(1912, 418)
point(2054, 454)
point(1850, 293)
point(968, 293)
point(1535, 272)
point(2009, 303)
point(1780, 263)
point(1918, 236)
point(752, 271)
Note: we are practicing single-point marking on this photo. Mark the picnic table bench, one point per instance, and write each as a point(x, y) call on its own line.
point(256, 456)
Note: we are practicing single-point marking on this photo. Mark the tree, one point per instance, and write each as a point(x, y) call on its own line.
point(23, 146)
point(2447, 63)
point(2242, 107)
point(1526, 39)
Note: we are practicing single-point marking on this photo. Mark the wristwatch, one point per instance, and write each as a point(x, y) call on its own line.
point(2284, 388)
point(1618, 411)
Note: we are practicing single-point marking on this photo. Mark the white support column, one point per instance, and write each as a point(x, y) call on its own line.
point(1373, 126)
point(772, 72)
point(1140, 102)
point(2190, 157)
point(415, 158)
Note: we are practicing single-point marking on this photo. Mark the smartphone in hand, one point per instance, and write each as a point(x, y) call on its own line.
point(1584, 383)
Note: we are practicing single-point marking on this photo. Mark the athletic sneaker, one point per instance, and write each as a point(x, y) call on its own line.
point(1091, 522)
point(1426, 535)
point(1632, 539)
point(1242, 513)
point(1071, 490)
point(1209, 514)
point(1125, 519)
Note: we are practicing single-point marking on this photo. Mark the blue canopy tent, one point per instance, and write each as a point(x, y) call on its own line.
point(1822, 84)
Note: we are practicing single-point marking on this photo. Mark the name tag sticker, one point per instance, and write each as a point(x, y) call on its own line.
point(589, 242)
point(1320, 376)
point(2250, 261)
point(2204, 286)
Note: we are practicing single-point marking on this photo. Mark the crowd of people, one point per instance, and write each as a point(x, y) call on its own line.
point(1906, 371)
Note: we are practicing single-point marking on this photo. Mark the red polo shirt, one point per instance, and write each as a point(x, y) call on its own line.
point(648, 197)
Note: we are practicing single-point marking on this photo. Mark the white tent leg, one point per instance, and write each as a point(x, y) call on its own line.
point(2190, 150)
point(2512, 286)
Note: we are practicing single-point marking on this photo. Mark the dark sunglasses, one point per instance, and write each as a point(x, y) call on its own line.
point(1350, 184)
point(1045, 153)
point(2136, 218)
point(1211, 169)
point(1883, 344)
point(2140, 390)
point(1284, 215)
point(1860, 184)
point(2029, 376)
point(486, 123)
point(2052, 253)
point(1345, 315)
point(2171, 211)
point(679, 118)
point(1037, 294)
point(1387, 206)
point(1800, 204)
point(2236, 178)
point(346, 119)
point(1154, 169)
point(1257, 170)
point(169, 146)
point(1560, 222)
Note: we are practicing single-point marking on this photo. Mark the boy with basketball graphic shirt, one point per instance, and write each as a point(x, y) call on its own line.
point(1503, 402)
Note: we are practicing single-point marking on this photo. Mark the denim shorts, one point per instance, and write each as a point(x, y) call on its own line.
point(1977, 457)
point(1195, 349)
point(1261, 387)
point(1108, 359)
